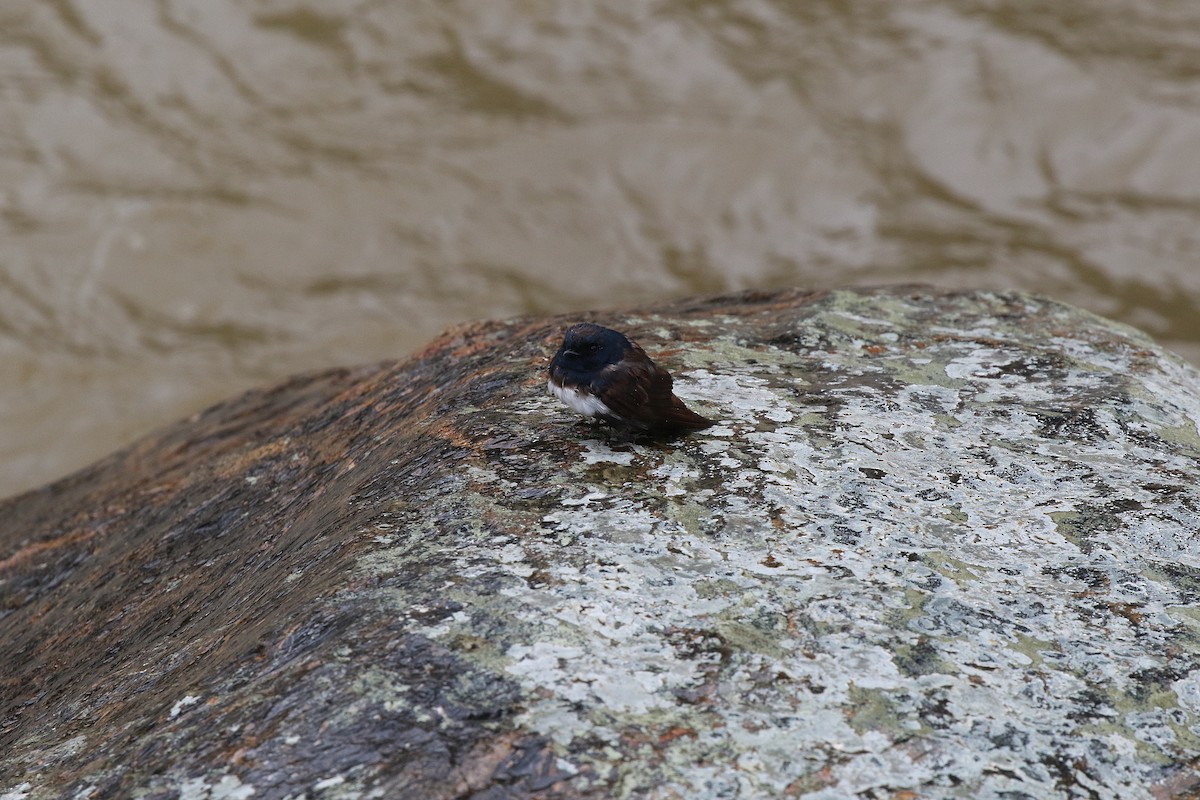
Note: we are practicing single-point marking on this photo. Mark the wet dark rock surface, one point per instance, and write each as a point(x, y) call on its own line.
point(939, 543)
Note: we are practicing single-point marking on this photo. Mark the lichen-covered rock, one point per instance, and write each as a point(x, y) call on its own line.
point(940, 545)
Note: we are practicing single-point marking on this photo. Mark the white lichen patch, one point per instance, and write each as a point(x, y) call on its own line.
point(182, 703)
point(228, 787)
point(600, 453)
point(741, 401)
point(962, 564)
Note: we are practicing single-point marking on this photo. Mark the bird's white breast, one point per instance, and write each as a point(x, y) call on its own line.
point(583, 403)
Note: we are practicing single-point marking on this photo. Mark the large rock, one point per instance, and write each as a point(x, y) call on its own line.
point(941, 545)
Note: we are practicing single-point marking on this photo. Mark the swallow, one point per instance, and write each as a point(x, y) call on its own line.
point(600, 373)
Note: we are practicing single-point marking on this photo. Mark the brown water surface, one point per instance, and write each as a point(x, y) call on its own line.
point(197, 197)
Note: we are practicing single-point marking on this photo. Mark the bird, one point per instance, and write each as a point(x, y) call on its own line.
point(600, 373)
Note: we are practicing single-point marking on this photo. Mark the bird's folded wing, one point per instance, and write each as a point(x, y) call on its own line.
point(625, 390)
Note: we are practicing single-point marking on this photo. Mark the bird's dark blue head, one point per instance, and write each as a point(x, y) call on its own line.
point(588, 348)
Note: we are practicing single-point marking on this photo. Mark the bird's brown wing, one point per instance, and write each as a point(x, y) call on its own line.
point(640, 393)
point(626, 391)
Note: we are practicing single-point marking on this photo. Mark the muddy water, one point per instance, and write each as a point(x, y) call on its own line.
point(196, 197)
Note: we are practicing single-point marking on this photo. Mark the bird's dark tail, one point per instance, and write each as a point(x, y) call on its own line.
point(682, 418)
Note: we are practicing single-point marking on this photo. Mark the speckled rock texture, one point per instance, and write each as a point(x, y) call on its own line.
point(940, 545)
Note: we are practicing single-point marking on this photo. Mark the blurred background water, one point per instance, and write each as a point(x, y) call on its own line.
point(197, 197)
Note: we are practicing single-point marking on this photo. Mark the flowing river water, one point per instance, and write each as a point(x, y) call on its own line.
point(199, 197)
